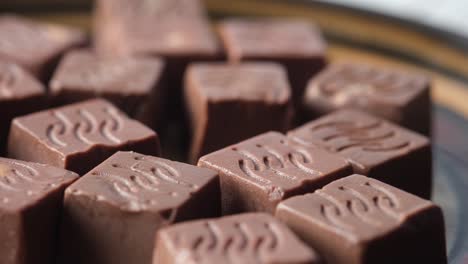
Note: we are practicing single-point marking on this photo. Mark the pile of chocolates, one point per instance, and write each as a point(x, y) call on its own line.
point(291, 159)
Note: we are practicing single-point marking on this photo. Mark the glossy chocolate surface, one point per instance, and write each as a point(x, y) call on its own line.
point(244, 238)
point(113, 212)
point(374, 147)
point(20, 94)
point(373, 221)
point(30, 203)
point(134, 84)
point(35, 46)
point(258, 173)
point(230, 103)
point(78, 136)
point(395, 95)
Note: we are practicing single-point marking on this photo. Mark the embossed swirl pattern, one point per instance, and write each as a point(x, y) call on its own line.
point(88, 130)
point(146, 175)
point(366, 204)
point(372, 137)
point(16, 175)
point(231, 242)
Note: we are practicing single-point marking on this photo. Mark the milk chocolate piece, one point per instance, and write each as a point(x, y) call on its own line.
point(174, 29)
point(245, 238)
point(132, 84)
point(398, 96)
point(375, 148)
point(258, 173)
point(230, 103)
point(20, 94)
point(35, 46)
point(111, 214)
point(78, 136)
point(359, 220)
point(298, 45)
point(30, 202)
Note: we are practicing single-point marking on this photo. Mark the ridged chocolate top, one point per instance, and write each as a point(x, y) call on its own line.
point(78, 127)
point(24, 183)
point(245, 238)
point(135, 182)
point(363, 139)
point(356, 207)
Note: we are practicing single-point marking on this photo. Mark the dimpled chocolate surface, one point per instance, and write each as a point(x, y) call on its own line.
point(113, 212)
point(298, 45)
point(245, 238)
point(230, 103)
point(376, 148)
point(373, 221)
point(20, 93)
point(35, 46)
point(134, 84)
point(398, 96)
point(78, 136)
point(258, 173)
point(30, 193)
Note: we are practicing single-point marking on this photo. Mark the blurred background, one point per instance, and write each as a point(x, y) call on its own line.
point(447, 15)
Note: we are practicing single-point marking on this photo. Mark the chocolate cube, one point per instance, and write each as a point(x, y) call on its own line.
point(298, 45)
point(260, 172)
point(31, 197)
point(245, 238)
point(401, 97)
point(175, 30)
point(375, 147)
point(20, 94)
point(359, 220)
point(111, 214)
point(35, 46)
point(230, 103)
point(134, 84)
point(78, 136)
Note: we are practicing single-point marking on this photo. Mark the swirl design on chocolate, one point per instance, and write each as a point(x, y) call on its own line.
point(373, 136)
point(137, 182)
point(365, 204)
point(14, 176)
point(85, 127)
point(230, 240)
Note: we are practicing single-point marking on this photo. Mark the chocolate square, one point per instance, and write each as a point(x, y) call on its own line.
point(362, 220)
point(20, 94)
point(36, 46)
point(230, 103)
point(244, 238)
point(401, 97)
point(375, 148)
point(260, 172)
point(111, 214)
point(134, 84)
point(296, 44)
point(176, 30)
point(30, 203)
point(78, 136)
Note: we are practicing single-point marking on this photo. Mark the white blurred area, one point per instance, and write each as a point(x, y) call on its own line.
point(447, 15)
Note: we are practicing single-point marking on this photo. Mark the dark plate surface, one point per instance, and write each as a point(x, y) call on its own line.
point(367, 37)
